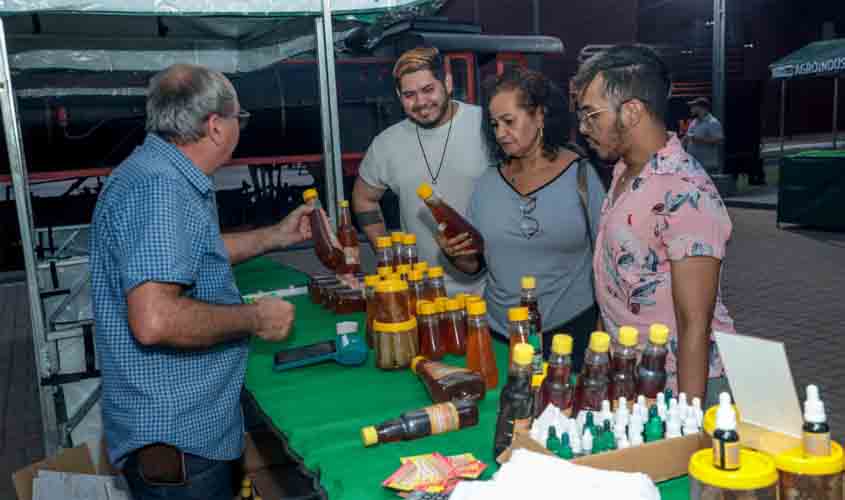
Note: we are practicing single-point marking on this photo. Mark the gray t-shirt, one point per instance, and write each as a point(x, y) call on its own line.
point(706, 154)
point(394, 161)
point(558, 256)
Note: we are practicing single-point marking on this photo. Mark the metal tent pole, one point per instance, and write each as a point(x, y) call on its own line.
point(835, 108)
point(329, 111)
point(20, 182)
point(719, 7)
point(782, 112)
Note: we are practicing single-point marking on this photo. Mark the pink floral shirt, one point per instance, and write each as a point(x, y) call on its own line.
point(670, 212)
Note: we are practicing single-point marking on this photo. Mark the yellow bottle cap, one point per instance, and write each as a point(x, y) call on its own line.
point(562, 344)
point(309, 194)
point(424, 191)
point(246, 483)
point(409, 239)
point(529, 282)
point(755, 472)
point(477, 307)
point(421, 266)
point(396, 237)
point(372, 280)
point(369, 435)
point(384, 271)
point(628, 336)
point(246, 492)
point(391, 286)
point(384, 242)
point(523, 354)
point(403, 268)
point(402, 326)
point(658, 334)
point(453, 305)
point(796, 462)
point(471, 297)
point(435, 272)
point(599, 342)
point(518, 314)
point(426, 307)
point(415, 275)
point(415, 361)
point(395, 277)
point(440, 304)
point(537, 378)
point(344, 203)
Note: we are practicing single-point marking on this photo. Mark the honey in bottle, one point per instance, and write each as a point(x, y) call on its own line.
point(428, 325)
point(449, 221)
point(370, 283)
point(446, 382)
point(556, 388)
point(442, 319)
point(416, 285)
point(455, 328)
point(326, 246)
point(435, 419)
point(591, 388)
point(519, 328)
point(409, 249)
point(651, 373)
point(403, 270)
point(421, 266)
point(396, 241)
point(623, 381)
point(528, 298)
point(480, 356)
point(384, 252)
point(384, 272)
point(436, 285)
point(348, 238)
point(515, 402)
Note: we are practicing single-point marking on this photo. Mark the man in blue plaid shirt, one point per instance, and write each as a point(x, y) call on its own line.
point(172, 331)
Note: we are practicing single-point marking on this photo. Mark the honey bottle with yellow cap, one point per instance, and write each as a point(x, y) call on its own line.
point(436, 284)
point(428, 324)
point(456, 330)
point(480, 356)
point(326, 245)
point(651, 373)
point(435, 419)
point(348, 238)
point(396, 240)
point(384, 252)
point(592, 385)
point(515, 402)
point(528, 298)
point(449, 221)
point(409, 254)
point(370, 283)
point(556, 388)
point(623, 372)
point(447, 382)
point(519, 328)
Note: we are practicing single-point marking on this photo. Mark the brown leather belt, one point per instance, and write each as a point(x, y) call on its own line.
point(161, 464)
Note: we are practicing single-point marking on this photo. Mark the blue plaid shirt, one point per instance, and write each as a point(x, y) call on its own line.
point(156, 220)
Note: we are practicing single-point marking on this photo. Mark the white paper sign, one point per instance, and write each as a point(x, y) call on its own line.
point(761, 382)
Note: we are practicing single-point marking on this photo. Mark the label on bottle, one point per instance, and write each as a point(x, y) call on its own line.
point(352, 255)
point(725, 454)
point(439, 371)
point(442, 418)
point(817, 444)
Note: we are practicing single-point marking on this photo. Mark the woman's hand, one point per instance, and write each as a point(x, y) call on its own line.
point(459, 246)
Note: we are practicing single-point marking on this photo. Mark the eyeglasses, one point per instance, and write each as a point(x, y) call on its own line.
point(529, 226)
point(587, 119)
point(243, 118)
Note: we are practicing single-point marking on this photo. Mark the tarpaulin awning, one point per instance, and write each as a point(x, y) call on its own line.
point(824, 58)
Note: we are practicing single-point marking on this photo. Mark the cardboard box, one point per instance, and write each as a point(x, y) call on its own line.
point(74, 460)
point(661, 460)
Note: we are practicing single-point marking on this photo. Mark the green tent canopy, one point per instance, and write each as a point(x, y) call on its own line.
point(824, 58)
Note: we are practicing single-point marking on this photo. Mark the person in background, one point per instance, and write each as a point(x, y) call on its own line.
point(440, 142)
point(172, 331)
point(664, 228)
point(530, 212)
point(704, 136)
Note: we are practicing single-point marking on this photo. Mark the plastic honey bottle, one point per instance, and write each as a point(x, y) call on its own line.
point(480, 356)
point(556, 389)
point(326, 246)
point(384, 252)
point(528, 298)
point(348, 238)
point(651, 373)
point(449, 221)
point(591, 388)
point(515, 403)
point(435, 419)
point(623, 382)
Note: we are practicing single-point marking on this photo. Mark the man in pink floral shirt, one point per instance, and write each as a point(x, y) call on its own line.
point(664, 228)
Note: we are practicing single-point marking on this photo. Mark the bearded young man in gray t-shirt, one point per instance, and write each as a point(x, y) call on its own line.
point(439, 143)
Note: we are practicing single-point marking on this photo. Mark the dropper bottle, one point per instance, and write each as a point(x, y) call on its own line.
point(725, 438)
point(816, 431)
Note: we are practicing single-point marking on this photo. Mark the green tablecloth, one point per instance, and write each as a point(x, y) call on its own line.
point(321, 409)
